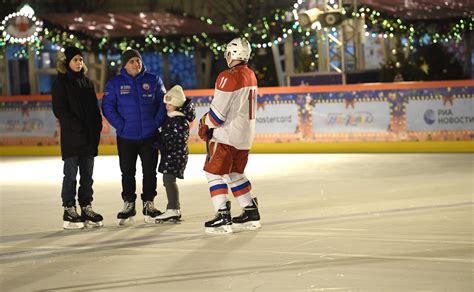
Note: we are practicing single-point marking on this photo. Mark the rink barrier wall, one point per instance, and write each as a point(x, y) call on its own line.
point(379, 118)
point(324, 147)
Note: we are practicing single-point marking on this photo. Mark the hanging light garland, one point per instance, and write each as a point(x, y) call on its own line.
point(265, 32)
point(423, 32)
point(20, 27)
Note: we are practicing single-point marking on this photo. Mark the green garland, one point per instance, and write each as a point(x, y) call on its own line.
point(265, 32)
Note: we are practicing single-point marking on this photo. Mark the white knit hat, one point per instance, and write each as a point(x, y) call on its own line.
point(175, 96)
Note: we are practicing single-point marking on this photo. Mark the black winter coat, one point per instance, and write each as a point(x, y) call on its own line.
point(76, 107)
point(173, 141)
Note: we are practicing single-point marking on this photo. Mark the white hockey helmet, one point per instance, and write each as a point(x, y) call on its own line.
point(237, 49)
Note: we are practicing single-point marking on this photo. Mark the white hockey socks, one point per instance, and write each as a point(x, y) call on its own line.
point(241, 188)
point(218, 190)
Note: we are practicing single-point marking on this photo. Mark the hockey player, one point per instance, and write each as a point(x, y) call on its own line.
point(133, 105)
point(229, 129)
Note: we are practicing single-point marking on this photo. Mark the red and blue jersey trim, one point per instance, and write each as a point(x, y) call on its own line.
point(214, 119)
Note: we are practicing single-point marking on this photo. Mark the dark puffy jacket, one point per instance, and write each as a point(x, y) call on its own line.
point(173, 142)
point(75, 105)
point(134, 106)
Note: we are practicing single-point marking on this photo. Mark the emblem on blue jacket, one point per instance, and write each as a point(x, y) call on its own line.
point(125, 89)
point(146, 90)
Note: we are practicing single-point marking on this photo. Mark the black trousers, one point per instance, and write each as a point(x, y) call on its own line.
point(85, 164)
point(128, 151)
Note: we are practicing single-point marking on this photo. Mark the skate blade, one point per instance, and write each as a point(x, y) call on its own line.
point(249, 226)
point(170, 220)
point(72, 225)
point(92, 224)
point(122, 222)
point(149, 219)
point(225, 229)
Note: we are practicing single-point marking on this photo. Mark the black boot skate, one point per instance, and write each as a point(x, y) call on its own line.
point(150, 212)
point(91, 218)
point(127, 214)
point(250, 217)
point(72, 220)
point(222, 223)
point(170, 215)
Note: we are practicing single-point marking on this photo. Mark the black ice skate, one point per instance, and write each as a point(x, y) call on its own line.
point(127, 214)
point(91, 218)
point(72, 220)
point(150, 212)
point(170, 215)
point(249, 219)
point(222, 223)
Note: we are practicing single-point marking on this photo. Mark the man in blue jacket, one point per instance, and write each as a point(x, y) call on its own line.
point(133, 105)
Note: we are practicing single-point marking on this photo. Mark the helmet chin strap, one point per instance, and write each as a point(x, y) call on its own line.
point(238, 64)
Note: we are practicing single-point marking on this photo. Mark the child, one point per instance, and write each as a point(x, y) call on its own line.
point(173, 145)
point(75, 106)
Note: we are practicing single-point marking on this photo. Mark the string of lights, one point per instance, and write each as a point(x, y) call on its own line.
point(264, 33)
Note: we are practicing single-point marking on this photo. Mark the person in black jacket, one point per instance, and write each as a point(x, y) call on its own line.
point(75, 106)
point(173, 145)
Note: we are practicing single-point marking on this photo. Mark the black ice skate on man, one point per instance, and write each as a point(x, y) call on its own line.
point(249, 219)
point(127, 214)
point(222, 222)
point(71, 219)
point(150, 212)
point(91, 218)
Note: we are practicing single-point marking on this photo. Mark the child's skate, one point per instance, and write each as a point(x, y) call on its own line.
point(127, 214)
point(170, 215)
point(222, 223)
point(72, 220)
point(249, 219)
point(150, 212)
point(91, 218)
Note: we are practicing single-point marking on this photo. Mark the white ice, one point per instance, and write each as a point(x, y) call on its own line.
point(330, 222)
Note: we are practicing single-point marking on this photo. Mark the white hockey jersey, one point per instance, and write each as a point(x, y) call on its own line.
point(233, 108)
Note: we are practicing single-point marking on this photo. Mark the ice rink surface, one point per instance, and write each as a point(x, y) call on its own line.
point(330, 222)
